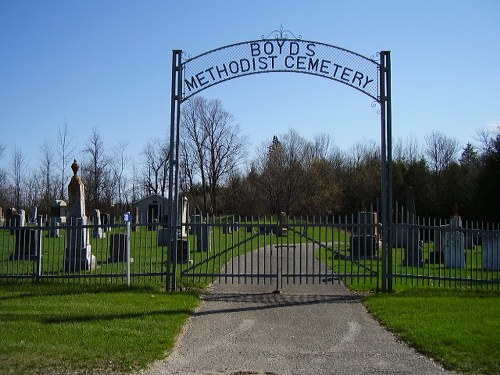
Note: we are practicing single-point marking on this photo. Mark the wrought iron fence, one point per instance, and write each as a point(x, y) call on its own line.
point(267, 251)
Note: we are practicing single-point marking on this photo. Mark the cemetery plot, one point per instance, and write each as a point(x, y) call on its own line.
point(258, 251)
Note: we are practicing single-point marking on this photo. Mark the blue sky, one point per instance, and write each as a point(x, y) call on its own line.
point(107, 64)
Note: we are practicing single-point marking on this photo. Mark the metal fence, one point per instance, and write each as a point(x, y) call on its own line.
point(263, 251)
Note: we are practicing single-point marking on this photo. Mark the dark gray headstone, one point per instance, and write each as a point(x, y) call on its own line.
point(117, 248)
point(26, 244)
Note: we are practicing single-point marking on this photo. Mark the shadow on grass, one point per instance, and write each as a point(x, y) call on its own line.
point(84, 318)
point(21, 290)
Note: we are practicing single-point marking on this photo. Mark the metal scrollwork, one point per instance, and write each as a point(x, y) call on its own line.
point(280, 34)
point(376, 104)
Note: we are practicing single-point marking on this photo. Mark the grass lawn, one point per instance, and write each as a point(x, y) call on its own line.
point(93, 327)
point(87, 329)
point(460, 329)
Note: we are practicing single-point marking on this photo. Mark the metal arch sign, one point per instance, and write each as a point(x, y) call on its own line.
point(280, 55)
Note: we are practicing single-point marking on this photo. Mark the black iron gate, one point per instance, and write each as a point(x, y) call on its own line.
point(266, 253)
point(280, 53)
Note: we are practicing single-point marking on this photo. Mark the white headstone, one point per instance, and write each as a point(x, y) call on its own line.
point(454, 245)
point(98, 231)
point(184, 218)
point(491, 251)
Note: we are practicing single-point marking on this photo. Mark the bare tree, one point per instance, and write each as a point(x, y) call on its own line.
point(33, 187)
point(96, 172)
point(194, 142)
point(407, 152)
point(214, 143)
point(3, 180)
point(156, 156)
point(320, 148)
point(441, 152)
point(187, 168)
point(47, 161)
point(119, 164)
point(17, 175)
point(64, 148)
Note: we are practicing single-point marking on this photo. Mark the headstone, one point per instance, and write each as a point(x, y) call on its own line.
point(2, 218)
point(491, 251)
point(181, 236)
point(407, 235)
point(454, 245)
point(117, 249)
point(26, 244)
point(196, 218)
point(266, 229)
point(364, 243)
point(410, 241)
point(59, 210)
point(54, 228)
point(33, 214)
point(164, 237)
point(182, 252)
point(363, 246)
point(22, 218)
point(202, 232)
point(367, 224)
point(282, 225)
point(78, 255)
point(184, 218)
point(105, 222)
point(98, 231)
point(437, 256)
point(11, 219)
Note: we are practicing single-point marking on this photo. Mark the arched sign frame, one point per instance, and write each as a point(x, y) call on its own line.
point(370, 76)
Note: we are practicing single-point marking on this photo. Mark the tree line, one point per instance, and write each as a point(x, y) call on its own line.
point(288, 172)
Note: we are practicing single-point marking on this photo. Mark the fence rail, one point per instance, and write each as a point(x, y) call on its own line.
point(347, 249)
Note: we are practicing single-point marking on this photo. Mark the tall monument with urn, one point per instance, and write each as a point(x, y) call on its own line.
point(78, 250)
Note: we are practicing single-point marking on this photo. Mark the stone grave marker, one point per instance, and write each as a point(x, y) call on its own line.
point(282, 225)
point(33, 214)
point(98, 231)
point(454, 245)
point(365, 243)
point(22, 218)
point(106, 222)
point(182, 238)
point(26, 244)
point(491, 251)
point(9, 218)
point(59, 210)
point(117, 248)
point(53, 228)
point(202, 232)
point(78, 255)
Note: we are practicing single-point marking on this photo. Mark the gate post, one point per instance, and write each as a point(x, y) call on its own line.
point(386, 166)
point(173, 172)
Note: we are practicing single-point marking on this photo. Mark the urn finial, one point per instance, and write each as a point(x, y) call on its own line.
point(75, 167)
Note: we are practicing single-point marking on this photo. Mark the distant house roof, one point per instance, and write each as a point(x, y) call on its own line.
point(149, 197)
